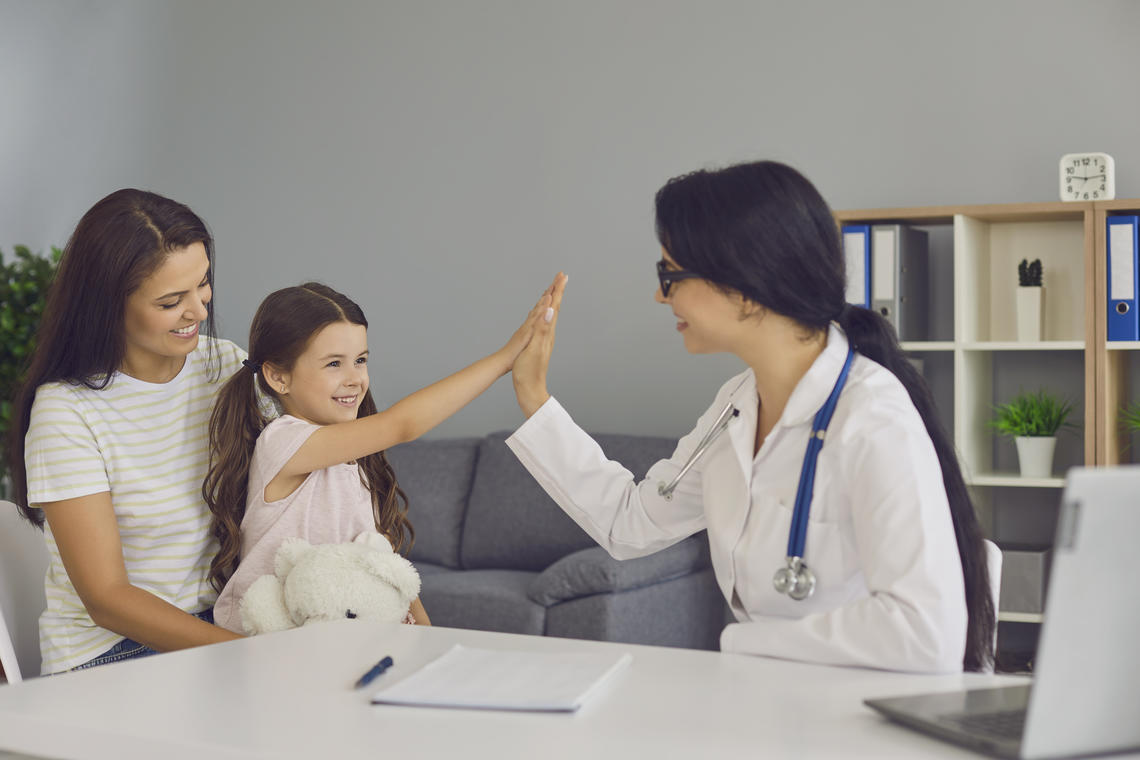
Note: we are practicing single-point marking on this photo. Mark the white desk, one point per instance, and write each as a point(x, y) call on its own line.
point(290, 695)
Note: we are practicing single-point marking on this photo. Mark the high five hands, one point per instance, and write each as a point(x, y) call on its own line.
point(529, 370)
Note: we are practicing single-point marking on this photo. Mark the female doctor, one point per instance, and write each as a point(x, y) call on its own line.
point(882, 563)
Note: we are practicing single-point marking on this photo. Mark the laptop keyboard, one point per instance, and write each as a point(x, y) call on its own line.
point(1007, 724)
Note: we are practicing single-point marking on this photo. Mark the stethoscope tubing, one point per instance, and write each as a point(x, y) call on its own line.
point(796, 579)
point(726, 415)
point(797, 536)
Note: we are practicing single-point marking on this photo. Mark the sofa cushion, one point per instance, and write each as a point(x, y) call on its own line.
point(593, 571)
point(684, 612)
point(436, 477)
point(512, 523)
point(486, 600)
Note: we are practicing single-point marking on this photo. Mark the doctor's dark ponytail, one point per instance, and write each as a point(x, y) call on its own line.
point(874, 337)
point(762, 230)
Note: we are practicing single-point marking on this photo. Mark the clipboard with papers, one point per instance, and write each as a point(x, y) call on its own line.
point(490, 679)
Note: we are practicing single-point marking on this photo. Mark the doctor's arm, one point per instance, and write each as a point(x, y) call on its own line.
point(627, 518)
point(915, 616)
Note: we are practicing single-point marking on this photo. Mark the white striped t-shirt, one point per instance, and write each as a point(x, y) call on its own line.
point(146, 443)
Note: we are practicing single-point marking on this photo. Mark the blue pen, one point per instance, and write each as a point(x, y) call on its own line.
point(374, 671)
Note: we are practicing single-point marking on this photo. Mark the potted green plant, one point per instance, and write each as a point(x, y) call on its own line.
point(1129, 418)
point(1033, 421)
point(24, 283)
point(1030, 300)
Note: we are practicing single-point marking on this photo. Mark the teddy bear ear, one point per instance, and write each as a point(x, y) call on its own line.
point(397, 571)
point(374, 540)
point(289, 554)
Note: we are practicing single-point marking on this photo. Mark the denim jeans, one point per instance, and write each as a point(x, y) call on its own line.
point(128, 649)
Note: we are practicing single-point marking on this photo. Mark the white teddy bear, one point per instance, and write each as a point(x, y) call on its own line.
point(361, 579)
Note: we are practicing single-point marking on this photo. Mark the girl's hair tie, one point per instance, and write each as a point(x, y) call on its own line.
point(255, 366)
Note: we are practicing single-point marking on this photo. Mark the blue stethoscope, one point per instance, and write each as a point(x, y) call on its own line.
point(795, 579)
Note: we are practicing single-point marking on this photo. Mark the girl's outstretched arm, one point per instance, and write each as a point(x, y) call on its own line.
point(414, 415)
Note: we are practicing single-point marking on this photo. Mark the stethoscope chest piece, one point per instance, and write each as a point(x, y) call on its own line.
point(795, 579)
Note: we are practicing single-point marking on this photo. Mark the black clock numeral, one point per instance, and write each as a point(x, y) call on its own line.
point(1069, 170)
point(1076, 162)
point(1085, 161)
point(1096, 194)
point(1086, 196)
point(1069, 189)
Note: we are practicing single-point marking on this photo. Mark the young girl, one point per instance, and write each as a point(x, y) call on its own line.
point(318, 471)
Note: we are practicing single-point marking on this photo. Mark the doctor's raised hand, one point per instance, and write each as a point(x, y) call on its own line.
point(839, 525)
point(530, 367)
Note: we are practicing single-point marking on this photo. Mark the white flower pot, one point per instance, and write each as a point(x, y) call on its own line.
point(1030, 302)
point(1035, 455)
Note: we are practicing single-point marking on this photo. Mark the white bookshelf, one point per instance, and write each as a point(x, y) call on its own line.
point(973, 360)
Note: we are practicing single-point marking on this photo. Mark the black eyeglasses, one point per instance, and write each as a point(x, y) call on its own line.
point(667, 277)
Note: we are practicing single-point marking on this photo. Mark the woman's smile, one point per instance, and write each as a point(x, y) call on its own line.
point(190, 331)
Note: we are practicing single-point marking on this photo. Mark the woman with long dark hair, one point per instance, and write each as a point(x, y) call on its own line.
point(886, 566)
point(109, 436)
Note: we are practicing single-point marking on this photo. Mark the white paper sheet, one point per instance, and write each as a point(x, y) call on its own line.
point(504, 680)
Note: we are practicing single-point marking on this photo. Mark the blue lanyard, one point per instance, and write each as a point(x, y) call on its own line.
point(797, 535)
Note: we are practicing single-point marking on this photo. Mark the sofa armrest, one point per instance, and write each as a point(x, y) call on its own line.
point(593, 571)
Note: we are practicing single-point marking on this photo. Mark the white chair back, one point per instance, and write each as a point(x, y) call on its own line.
point(23, 565)
point(993, 562)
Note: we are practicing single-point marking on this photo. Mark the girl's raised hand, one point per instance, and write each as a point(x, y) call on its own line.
point(523, 335)
point(529, 371)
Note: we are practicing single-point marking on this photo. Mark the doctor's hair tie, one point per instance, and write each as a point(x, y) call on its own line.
point(255, 366)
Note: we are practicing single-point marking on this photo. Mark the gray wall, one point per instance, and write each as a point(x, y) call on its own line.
point(440, 161)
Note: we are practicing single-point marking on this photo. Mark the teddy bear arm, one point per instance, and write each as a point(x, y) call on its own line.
point(263, 607)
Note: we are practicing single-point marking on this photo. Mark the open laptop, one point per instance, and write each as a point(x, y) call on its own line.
point(1085, 695)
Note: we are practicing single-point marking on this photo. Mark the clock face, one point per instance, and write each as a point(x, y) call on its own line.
point(1087, 177)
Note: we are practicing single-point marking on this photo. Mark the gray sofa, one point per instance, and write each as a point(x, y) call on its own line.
point(496, 553)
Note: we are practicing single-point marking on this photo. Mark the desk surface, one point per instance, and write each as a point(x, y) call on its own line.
point(290, 695)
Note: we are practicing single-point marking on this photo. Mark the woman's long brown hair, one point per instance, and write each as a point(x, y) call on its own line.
point(284, 324)
point(118, 243)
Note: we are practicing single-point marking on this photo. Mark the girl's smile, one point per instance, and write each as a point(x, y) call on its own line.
point(329, 379)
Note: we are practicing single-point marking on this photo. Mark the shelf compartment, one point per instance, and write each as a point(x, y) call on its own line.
point(1122, 387)
point(983, 379)
point(937, 369)
point(988, 253)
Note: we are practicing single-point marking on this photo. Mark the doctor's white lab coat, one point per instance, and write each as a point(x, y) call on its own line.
point(889, 587)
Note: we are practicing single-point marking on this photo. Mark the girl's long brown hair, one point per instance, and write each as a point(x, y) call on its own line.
point(284, 324)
